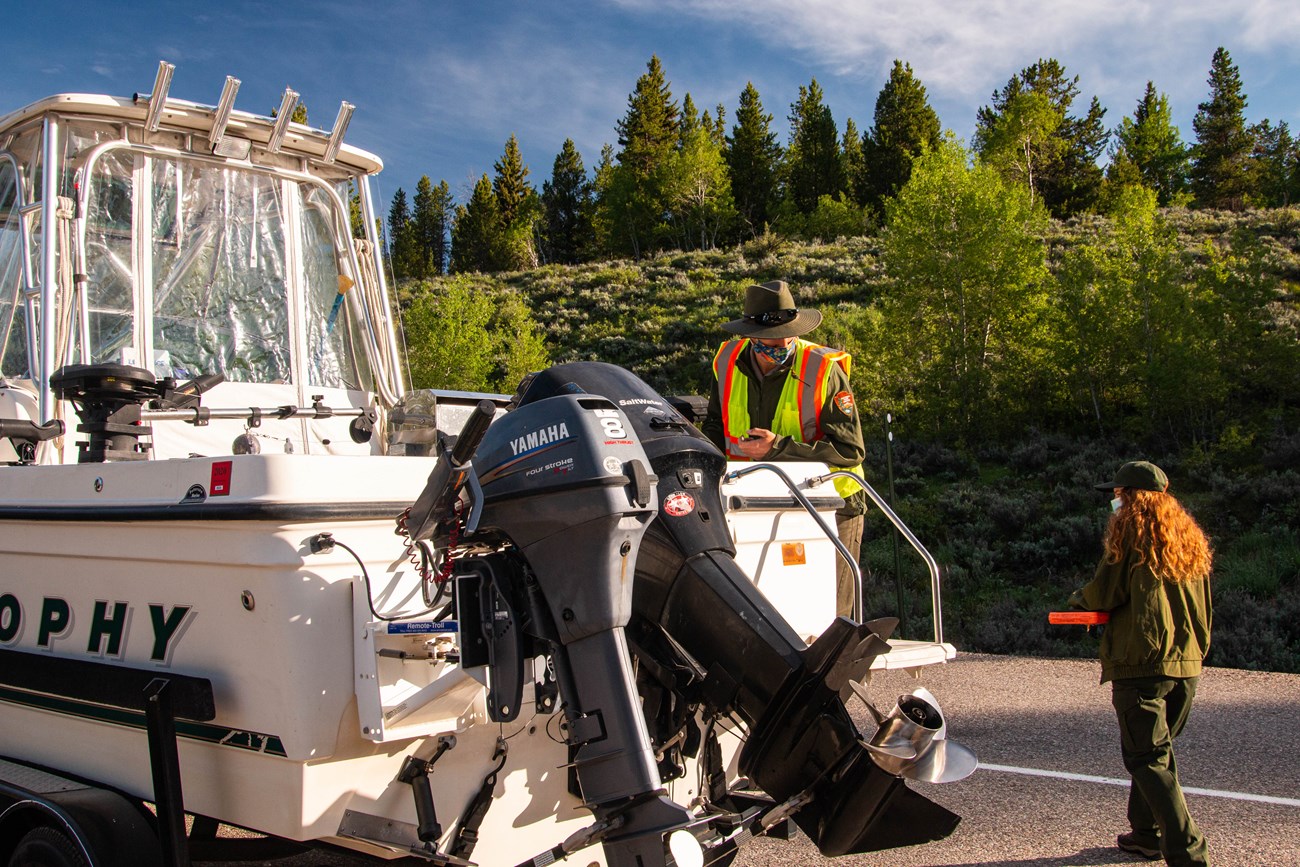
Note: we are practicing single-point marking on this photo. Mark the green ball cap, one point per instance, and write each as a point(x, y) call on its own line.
point(1143, 475)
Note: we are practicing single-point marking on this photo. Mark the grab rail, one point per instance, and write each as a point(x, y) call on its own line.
point(812, 510)
point(816, 481)
point(930, 563)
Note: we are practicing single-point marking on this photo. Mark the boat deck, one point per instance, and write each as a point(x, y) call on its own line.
point(905, 654)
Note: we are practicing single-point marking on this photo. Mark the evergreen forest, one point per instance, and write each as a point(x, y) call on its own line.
point(1025, 312)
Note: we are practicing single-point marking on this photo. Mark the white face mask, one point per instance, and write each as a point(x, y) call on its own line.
point(1115, 504)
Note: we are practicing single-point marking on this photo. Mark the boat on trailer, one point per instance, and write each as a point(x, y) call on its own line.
point(248, 575)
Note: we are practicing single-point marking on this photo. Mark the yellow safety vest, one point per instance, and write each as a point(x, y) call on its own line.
point(798, 408)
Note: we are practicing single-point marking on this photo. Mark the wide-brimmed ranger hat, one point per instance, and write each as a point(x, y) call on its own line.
point(1143, 475)
point(770, 313)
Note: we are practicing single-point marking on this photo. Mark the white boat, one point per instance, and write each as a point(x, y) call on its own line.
point(206, 558)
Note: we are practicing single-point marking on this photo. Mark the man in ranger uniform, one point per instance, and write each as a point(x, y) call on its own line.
point(776, 397)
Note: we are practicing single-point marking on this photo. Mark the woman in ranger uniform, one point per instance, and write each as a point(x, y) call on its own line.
point(779, 398)
point(1154, 579)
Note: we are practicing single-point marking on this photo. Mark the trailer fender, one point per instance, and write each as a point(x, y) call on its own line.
point(108, 828)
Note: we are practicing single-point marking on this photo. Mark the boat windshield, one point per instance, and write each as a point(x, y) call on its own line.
point(240, 270)
point(13, 332)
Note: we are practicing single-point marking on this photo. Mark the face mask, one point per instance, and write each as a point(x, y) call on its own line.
point(1115, 504)
point(775, 354)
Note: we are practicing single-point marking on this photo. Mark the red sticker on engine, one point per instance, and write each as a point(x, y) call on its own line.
point(844, 401)
point(679, 503)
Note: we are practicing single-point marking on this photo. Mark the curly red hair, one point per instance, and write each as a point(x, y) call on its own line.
point(1161, 533)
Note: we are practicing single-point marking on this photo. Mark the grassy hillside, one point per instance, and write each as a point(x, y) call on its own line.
point(1012, 518)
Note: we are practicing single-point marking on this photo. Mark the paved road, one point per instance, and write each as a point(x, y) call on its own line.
point(1051, 715)
point(1243, 742)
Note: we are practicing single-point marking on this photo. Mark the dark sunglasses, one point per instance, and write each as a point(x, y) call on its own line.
point(774, 317)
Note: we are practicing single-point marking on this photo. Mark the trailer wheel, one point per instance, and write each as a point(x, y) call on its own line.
point(47, 847)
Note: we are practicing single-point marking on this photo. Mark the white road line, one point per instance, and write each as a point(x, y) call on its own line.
point(1112, 781)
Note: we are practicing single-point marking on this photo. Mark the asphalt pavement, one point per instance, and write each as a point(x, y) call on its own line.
point(1238, 756)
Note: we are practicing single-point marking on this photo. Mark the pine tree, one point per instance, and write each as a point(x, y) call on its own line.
point(718, 127)
point(520, 210)
point(1121, 173)
point(905, 127)
point(649, 130)
point(854, 166)
point(440, 237)
point(421, 261)
point(401, 238)
point(812, 167)
point(600, 214)
point(431, 221)
point(689, 121)
point(648, 134)
point(1220, 166)
point(566, 204)
point(1064, 157)
point(477, 231)
point(1078, 187)
point(753, 156)
point(1274, 164)
point(1149, 149)
point(511, 182)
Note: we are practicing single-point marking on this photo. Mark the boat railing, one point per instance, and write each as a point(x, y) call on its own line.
point(931, 564)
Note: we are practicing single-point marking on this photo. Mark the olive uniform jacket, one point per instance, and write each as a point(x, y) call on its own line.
point(841, 444)
point(1157, 627)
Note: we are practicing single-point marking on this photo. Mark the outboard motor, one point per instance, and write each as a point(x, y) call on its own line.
point(707, 634)
point(566, 494)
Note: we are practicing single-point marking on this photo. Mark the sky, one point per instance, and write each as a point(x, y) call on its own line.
point(440, 85)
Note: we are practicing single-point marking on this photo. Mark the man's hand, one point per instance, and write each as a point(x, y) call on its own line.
point(757, 443)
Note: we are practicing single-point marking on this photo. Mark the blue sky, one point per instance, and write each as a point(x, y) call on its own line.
point(440, 85)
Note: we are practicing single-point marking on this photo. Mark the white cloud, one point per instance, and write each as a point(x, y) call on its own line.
point(962, 51)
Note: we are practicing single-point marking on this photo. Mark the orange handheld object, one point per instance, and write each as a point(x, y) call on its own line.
point(1078, 618)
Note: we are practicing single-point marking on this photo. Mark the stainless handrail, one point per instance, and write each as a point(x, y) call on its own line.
point(812, 510)
point(816, 481)
point(930, 562)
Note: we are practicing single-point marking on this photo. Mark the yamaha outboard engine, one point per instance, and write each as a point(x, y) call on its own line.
point(566, 495)
point(707, 633)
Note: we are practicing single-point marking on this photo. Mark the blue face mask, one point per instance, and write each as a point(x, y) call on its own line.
point(1115, 504)
point(775, 354)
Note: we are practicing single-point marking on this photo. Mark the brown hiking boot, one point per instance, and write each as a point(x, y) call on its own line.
point(1146, 847)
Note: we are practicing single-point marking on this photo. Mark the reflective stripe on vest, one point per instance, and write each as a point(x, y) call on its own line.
point(802, 398)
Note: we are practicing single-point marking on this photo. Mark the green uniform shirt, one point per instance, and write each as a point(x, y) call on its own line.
point(841, 444)
point(1157, 627)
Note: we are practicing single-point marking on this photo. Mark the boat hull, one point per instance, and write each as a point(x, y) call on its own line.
point(228, 589)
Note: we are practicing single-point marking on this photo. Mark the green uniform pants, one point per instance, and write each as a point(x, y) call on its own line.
point(1152, 712)
point(849, 529)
